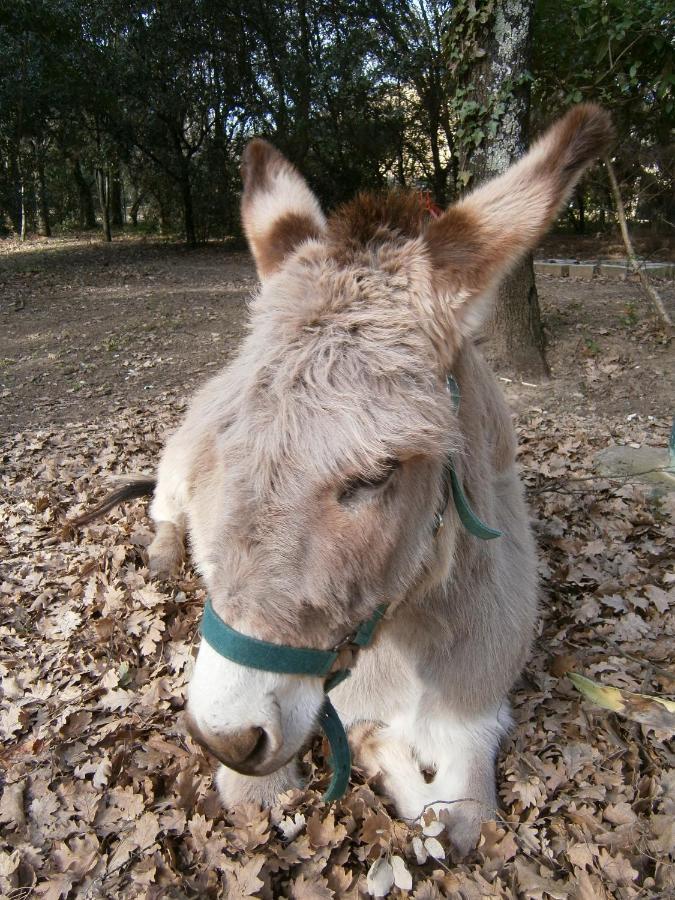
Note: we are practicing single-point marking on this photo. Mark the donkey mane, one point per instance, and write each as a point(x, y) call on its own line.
point(373, 219)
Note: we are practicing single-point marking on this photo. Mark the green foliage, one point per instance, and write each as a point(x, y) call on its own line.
point(618, 53)
point(160, 98)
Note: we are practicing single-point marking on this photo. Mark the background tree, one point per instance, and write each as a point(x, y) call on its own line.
point(489, 48)
point(134, 115)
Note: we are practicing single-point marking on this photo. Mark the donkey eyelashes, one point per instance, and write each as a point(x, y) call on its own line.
point(368, 483)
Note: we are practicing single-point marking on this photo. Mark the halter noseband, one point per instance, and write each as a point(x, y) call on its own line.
point(334, 665)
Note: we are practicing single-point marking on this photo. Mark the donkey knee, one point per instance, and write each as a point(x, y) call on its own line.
point(167, 550)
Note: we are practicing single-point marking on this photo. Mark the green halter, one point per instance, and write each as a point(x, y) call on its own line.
point(257, 654)
point(249, 651)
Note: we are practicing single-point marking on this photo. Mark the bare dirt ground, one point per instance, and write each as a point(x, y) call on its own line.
point(104, 795)
point(86, 329)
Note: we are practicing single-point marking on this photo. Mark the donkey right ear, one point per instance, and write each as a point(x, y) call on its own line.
point(278, 209)
point(475, 243)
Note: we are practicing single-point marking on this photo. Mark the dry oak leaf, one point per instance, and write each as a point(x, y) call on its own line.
point(311, 889)
point(324, 832)
point(376, 829)
point(655, 712)
point(243, 881)
point(56, 886)
point(339, 880)
point(588, 887)
point(402, 877)
point(617, 869)
point(498, 845)
point(619, 814)
point(380, 878)
point(583, 854)
point(536, 886)
point(290, 828)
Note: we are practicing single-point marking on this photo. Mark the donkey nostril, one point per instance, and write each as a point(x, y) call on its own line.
point(240, 746)
point(243, 749)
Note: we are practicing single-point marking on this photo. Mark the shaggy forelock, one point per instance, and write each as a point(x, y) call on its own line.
point(337, 375)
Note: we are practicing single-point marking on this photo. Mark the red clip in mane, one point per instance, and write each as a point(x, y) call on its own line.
point(432, 208)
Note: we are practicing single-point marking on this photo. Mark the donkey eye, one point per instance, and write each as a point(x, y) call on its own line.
point(368, 483)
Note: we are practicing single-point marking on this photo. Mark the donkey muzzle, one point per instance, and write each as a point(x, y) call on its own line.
point(251, 750)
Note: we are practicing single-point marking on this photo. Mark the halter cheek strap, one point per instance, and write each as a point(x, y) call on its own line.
point(257, 654)
point(327, 664)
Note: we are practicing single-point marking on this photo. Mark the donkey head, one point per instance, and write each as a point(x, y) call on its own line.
point(314, 498)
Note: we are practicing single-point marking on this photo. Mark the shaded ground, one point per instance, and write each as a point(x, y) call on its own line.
point(132, 321)
point(103, 794)
point(137, 319)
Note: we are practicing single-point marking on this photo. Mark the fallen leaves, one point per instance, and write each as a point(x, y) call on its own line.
point(655, 712)
point(105, 796)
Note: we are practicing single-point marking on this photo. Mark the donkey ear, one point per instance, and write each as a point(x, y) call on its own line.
point(278, 210)
point(474, 244)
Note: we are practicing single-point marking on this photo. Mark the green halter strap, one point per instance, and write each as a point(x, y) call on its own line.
point(452, 484)
point(249, 651)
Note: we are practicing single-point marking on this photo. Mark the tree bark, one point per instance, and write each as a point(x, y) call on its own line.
point(116, 204)
point(514, 331)
point(24, 212)
point(103, 185)
point(164, 214)
point(188, 209)
point(516, 314)
point(44, 225)
point(580, 223)
point(87, 212)
point(134, 208)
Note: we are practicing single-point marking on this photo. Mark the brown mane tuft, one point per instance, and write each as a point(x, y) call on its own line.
point(374, 219)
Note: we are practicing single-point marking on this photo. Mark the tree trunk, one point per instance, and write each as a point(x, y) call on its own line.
point(304, 86)
point(580, 223)
point(516, 314)
point(515, 335)
point(44, 226)
point(133, 209)
point(87, 212)
point(164, 215)
point(24, 211)
point(440, 195)
point(103, 185)
point(116, 204)
point(188, 209)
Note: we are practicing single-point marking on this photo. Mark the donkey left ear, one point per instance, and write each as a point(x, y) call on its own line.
point(475, 243)
point(278, 209)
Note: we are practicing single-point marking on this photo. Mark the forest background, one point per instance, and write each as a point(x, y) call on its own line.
point(135, 113)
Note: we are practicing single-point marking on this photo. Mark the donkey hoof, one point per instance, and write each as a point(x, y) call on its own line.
point(163, 567)
point(463, 827)
point(164, 563)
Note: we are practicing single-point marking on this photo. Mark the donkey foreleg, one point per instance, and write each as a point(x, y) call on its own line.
point(446, 763)
point(167, 550)
point(263, 790)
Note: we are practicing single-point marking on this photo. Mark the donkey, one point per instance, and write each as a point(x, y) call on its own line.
point(311, 478)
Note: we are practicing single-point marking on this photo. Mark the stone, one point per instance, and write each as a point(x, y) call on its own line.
point(650, 465)
point(551, 268)
point(616, 270)
point(586, 271)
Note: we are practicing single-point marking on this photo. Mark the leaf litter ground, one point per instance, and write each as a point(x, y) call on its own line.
point(104, 795)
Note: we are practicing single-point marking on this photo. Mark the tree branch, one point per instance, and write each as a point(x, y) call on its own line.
point(633, 261)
